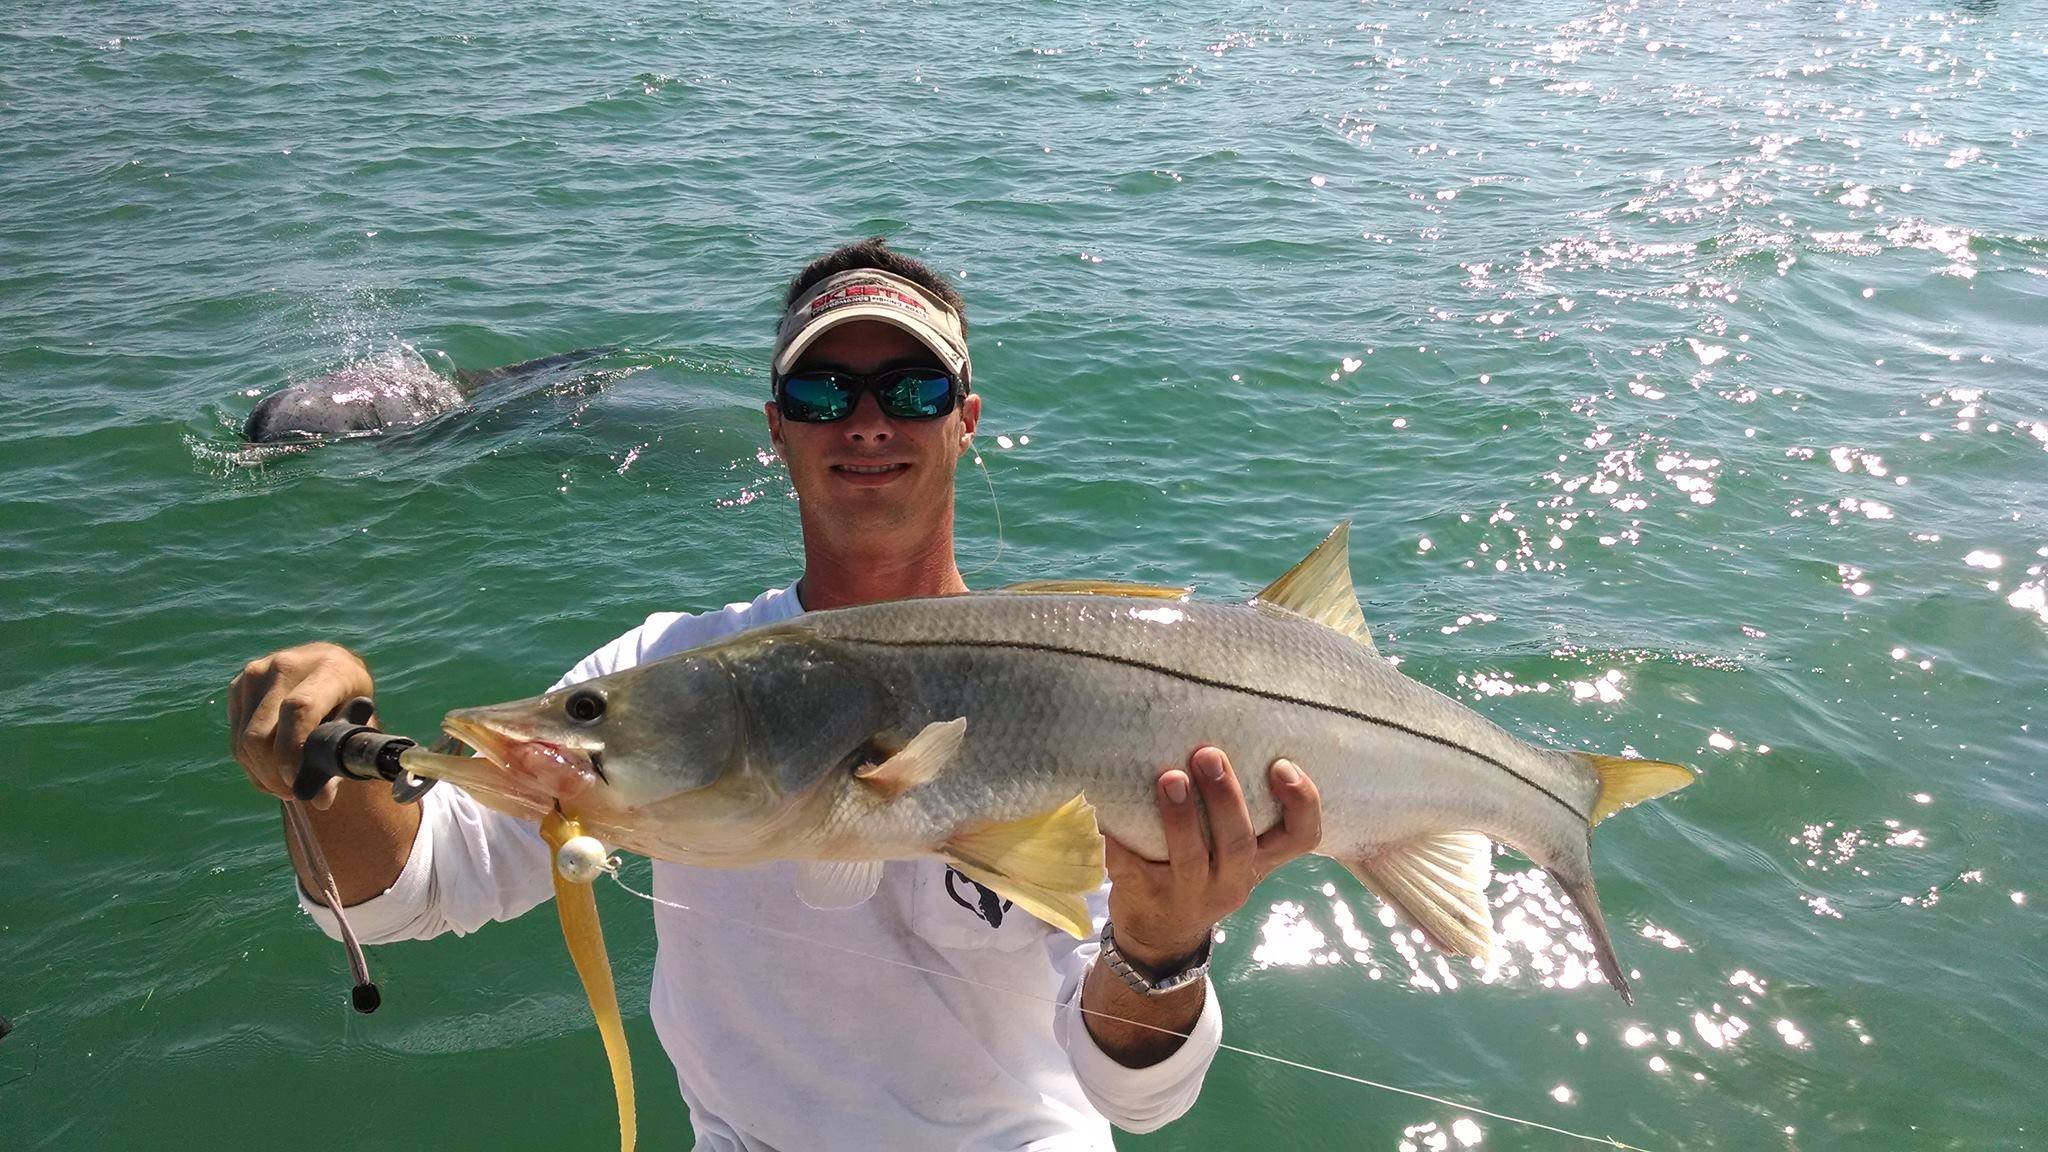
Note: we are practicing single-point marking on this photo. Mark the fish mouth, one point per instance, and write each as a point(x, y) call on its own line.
point(532, 768)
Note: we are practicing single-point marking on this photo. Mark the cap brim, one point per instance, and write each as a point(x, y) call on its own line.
point(925, 334)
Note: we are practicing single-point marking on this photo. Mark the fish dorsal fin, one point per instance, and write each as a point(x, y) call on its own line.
point(927, 755)
point(1438, 884)
point(837, 883)
point(1625, 782)
point(1046, 864)
point(1320, 588)
point(1098, 588)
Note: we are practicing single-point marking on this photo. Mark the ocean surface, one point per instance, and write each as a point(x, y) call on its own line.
point(1683, 368)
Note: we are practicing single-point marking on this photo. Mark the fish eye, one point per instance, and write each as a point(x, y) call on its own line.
point(585, 707)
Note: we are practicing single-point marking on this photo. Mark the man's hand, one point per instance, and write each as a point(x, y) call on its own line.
point(276, 703)
point(1163, 912)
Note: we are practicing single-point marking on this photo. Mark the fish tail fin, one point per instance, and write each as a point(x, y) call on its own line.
point(1576, 878)
point(1626, 782)
point(1046, 864)
point(1438, 884)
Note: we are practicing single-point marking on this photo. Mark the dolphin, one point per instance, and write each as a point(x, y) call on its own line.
point(375, 395)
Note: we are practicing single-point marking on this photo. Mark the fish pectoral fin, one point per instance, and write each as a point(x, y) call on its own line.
point(927, 754)
point(1098, 588)
point(830, 884)
point(1320, 588)
point(1625, 782)
point(1045, 864)
point(1438, 884)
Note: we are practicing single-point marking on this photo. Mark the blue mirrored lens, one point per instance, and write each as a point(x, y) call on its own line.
point(916, 393)
point(816, 396)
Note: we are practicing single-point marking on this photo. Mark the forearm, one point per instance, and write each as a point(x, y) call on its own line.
point(367, 838)
point(1138, 1031)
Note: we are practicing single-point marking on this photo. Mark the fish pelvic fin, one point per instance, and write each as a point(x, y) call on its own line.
point(577, 906)
point(830, 884)
point(1045, 864)
point(1625, 782)
point(1098, 588)
point(1438, 884)
point(1320, 588)
point(928, 754)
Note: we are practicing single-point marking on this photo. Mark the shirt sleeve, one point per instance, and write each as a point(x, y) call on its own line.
point(1133, 1099)
point(469, 865)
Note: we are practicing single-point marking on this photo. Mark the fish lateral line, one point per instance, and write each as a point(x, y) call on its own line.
point(1228, 686)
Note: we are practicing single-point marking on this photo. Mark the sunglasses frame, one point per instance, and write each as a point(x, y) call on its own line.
point(862, 384)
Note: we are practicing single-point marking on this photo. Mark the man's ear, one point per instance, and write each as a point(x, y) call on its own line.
point(774, 427)
point(970, 416)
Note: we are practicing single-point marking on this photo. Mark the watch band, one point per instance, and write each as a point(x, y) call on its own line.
point(1136, 981)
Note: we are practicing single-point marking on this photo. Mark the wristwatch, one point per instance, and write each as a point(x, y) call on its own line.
point(1136, 981)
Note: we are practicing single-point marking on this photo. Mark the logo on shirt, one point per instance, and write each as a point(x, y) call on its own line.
point(986, 905)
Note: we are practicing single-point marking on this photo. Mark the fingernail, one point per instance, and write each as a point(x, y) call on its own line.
point(1284, 772)
point(1176, 788)
point(1212, 767)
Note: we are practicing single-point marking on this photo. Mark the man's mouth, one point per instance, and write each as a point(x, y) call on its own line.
point(870, 473)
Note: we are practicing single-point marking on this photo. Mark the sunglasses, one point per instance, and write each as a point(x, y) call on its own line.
point(823, 395)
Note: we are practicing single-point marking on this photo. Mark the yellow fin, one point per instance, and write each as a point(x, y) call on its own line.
point(577, 906)
point(1320, 588)
point(1625, 782)
point(1046, 864)
point(1438, 884)
point(1098, 588)
point(927, 754)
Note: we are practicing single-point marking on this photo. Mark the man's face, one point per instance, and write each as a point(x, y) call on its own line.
point(870, 472)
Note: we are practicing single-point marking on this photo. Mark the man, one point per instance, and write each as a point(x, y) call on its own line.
point(784, 1045)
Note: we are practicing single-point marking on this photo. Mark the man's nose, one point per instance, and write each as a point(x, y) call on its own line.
point(867, 424)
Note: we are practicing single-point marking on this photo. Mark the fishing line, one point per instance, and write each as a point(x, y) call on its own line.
point(997, 505)
point(1606, 1141)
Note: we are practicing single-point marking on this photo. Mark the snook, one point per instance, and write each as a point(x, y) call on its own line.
point(999, 731)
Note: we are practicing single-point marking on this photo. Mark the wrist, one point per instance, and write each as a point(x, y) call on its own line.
point(1152, 969)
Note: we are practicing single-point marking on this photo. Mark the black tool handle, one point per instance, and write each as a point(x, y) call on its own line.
point(322, 759)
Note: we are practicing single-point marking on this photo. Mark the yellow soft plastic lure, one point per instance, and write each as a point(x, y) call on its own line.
point(577, 905)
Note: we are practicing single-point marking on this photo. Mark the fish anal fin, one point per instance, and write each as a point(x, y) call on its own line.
point(1320, 588)
point(1098, 588)
point(1046, 864)
point(1625, 782)
point(1438, 884)
point(829, 884)
point(925, 756)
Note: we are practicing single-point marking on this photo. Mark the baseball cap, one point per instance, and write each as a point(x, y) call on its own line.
point(872, 294)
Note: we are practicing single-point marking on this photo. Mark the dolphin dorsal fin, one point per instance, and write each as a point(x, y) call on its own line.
point(1320, 588)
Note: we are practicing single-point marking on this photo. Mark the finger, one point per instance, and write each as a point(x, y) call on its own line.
point(301, 711)
point(1186, 853)
point(1301, 816)
point(1125, 866)
point(323, 799)
point(256, 746)
point(1233, 846)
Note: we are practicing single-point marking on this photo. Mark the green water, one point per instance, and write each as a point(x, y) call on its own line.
point(1681, 365)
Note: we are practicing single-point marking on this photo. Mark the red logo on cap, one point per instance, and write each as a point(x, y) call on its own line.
point(855, 293)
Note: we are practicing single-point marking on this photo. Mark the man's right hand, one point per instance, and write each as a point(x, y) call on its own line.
point(276, 703)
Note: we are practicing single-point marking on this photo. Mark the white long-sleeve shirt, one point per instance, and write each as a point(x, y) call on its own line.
point(786, 1046)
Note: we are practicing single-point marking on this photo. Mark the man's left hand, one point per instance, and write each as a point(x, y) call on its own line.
point(1164, 912)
